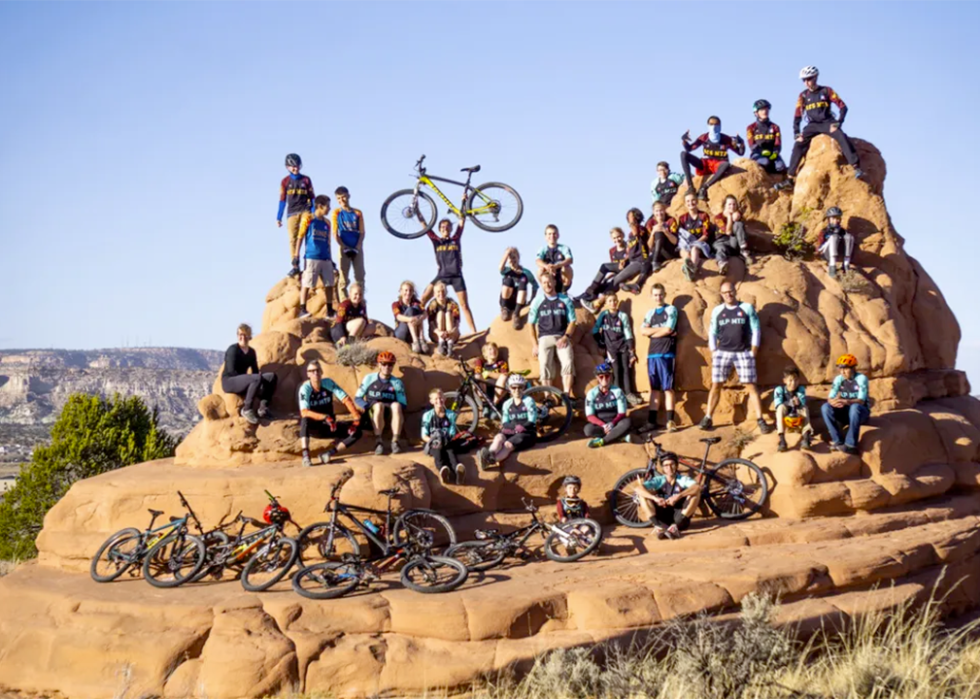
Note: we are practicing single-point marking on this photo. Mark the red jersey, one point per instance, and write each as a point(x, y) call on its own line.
point(716, 151)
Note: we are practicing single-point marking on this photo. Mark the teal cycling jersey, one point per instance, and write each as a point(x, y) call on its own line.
point(850, 389)
point(554, 255)
point(320, 401)
point(734, 328)
point(523, 412)
point(432, 422)
point(662, 317)
point(660, 486)
point(793, 400)
point(613, 331)
point(605, 405)
point(374, 389)
point(552, 314)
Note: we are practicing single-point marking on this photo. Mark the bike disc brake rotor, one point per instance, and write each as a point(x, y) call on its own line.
point(409, 212)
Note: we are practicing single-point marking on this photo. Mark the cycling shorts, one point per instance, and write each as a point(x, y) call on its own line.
point(456, 283)
point(661, 372)
point(707, 166)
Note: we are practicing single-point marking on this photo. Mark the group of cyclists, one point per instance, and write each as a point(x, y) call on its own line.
point(637, 253)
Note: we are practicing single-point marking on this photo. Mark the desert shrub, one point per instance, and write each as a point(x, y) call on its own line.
point(791, 240)
point(356, 354)
point(92, 435)
point(7, 567)
point(853, 282)
point(740, 439)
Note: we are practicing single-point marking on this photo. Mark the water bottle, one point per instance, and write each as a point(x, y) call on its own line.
point(372, 527)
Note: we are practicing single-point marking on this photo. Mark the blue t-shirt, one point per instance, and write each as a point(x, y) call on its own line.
point(320, 401)
point(318, 240)
point(348, 226)
point(850, 389)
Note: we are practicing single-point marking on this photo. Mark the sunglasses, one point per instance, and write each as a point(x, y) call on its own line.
point(387, 364)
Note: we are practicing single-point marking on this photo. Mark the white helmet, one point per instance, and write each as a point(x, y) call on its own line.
point(516, 380)
point(809, 72)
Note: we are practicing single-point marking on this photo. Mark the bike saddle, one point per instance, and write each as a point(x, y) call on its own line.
point(389, 491)
point(155, 513)
point(173, 519)
point(475, 168)
point(710, 440)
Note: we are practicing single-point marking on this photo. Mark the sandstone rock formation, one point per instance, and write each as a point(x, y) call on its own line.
point(902, 516)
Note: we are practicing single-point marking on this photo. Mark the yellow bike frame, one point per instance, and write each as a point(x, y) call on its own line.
point(487, 208)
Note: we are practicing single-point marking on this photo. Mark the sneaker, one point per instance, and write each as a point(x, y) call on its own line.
point(648, 428)
point(661, 532)
point(589, 305)
point(832, 271)
point(722, 266)
point(847, 266)
point(688, 270)
point(807, 441)
point(424, 347)
point(747, 256)
point(483, 458)
point(835, 446)
point(379, 448)
point(634, 400)
point(764, 427)
point(263, 411)
point(326, 456)
point(858, 173)
point(596, 443)
point(518, 322)
point(449, 348)
point(848, 449)
point(703, 194)
point(441, 349)
point(395, 447)
point(444, 474)
point(306, 461)
point(416, 347)
point(631, 288)
point(671, 426)
point(782, 443)
point(250, 416)
point(783, 185)
point(304, 314)
point(460, 474)
point(673, 532)
point(706, 423)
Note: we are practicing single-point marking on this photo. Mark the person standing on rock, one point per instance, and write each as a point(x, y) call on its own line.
point(613, 332)
point(765, 139)
point(317, 417)
point(734, 338)
point(665, 186)
point(663, 231)
point(449, 260)
point(714, 147)
point(815, 102)
point(348, 229)
point(352, 318)
point(240, 359)
point(552, 319)
point(515, 281)
point(319, 266)
point(660, 325)
point(730, 236)
point(605, 410)
point(835, 239)
point(380, 391)
point(695, 236)
point(296, 202)
point(847, 406)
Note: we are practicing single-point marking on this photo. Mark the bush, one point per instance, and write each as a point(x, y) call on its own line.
point(853, 282)
point(791, 240)
point(356, 354)
point(91, 436)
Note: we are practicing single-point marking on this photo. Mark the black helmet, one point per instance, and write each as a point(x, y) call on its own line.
point(835, 212)
point(761, 104)
point(669, 456)
point(293, 160)
point(571, 480)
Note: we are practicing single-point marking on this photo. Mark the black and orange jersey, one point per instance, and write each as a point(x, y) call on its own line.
point(637, 248)
point(670, 225)
point(497, 367)
point(348, 310)
point(717, 151)
point(618, 255)
point(763, 135)
point(816, 105)
point(450, 307)
point(449, 253)
point(295, 195)
point(699, 226)
point(398, 308)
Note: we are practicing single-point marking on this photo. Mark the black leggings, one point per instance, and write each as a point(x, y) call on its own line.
point(641, 269)
point(687, 160)
point(667, 515)
point(521, 440)
point(811, 131)
point(445, 456)
point(622, 371)
point(663, 249)
point(250, 385)
point(347, 432)
point(602, 282)
point(617, 432)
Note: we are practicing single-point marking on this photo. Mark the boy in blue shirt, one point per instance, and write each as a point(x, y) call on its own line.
point(319, 266)
point(789, 401)
point(348, 229)
point(555, 259)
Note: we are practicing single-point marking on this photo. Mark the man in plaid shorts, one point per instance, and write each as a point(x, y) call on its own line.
point(734, 341)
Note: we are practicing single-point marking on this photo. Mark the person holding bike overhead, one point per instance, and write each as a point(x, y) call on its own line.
point(514, 283)
point(519, 429)
point(380, 391)
point(669, 499)
point(449, 259)
point(439, 435)
point(605, 410)
point(317, 417)
point(552, 319)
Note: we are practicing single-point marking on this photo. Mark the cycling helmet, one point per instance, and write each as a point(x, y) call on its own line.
point(761, 104)
point(571, 480)
point(834, 211)
point(809, 72)
point(669, 456)
point(604, 369)
point(293, 160)
point(275, 514)
point(793, 422)
point(516, 380)
point(386, 357)
point(847, 360)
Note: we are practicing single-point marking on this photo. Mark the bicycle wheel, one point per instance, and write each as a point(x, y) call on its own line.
point(495, 207)
point(423, 530)
point(430, 574)
point(554, 412)
point(327, 542)
point(327, 580)
point(622, 500)
point(477, 555)
point(466, 409)
point(173, 560)
point(579, 538)
point(116, 555)
point(215, 543)
point(270, 564)
point(737, 489)
point(399, 214)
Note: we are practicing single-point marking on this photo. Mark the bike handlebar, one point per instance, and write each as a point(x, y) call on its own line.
point(418, 165)
point(529, 506)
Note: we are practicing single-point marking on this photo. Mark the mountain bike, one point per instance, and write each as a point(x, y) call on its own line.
point(410, 539)
point(168, 556)
point(410, 213)
point(732, 489)
point(262, 557)
point(563, 543)
point(472, 403)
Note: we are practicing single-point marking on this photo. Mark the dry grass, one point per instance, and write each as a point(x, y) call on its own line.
point(853, 282)
point(740, 439)
point(7, 567)
point(356, 354)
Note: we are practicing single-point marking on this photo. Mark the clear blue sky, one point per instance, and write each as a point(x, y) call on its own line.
point(141, 144)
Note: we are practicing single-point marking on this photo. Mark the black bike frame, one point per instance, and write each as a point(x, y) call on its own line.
point(383, 545)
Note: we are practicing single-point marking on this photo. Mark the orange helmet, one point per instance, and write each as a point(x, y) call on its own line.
point(386, 358)
point(793, 422)
point(847, 360)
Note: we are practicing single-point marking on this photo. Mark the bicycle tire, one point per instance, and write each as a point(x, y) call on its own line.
point(212, 541)
point(269, 554)
point(341, 577)
point(460, 405)
point(512, 210)
point(430, 567)
point(624, 509)
point(408, 531)
point(183, 545)
point(400, 208)
point(553, 397)
point(728, 501)
point(127, 535)
point(316, 536)
point(477, 555)
point(552, 541)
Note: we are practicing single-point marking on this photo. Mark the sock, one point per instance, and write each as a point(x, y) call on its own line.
point(670, 416)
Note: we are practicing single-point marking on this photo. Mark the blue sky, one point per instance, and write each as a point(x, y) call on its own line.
point(141, 144)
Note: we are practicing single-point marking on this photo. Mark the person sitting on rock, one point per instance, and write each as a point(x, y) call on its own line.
point(352, 319)
point(665, 186)
point(613, 332)
point(449, 259)
point(552, 319)
point(714, 148)
point(493, 368)
point(602, 282)
point(380, 391)
point(669, 499)
point(734, 338)
point(660, 325)
point(439, 435)
point(663, 234)
point(730, 237)
point(832, 239)
point(570, 505)
point(695, 236)
point(639, 264)
point(319, 266)
point(518, 431)
point(240, 359)
point(555, 259)
point(605, 410)
point(409, 317)
point(296, 202)
point(514, 284)
point(789, 401)
point(765, 140)
point(317, 415)
point(443, 314)
point(815, 102)
point(847, 406)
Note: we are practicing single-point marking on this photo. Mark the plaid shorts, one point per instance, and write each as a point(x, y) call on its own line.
point(722, 363)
